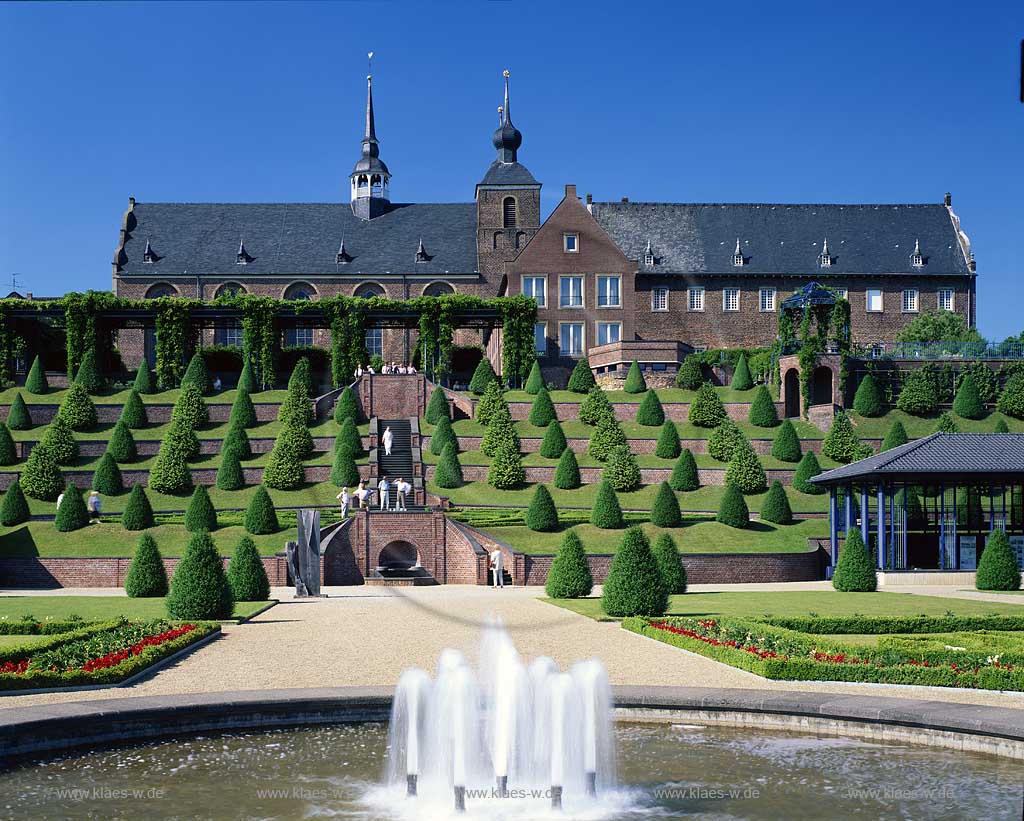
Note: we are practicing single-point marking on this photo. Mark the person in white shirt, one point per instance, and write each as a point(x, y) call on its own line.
point(60, 499)
point(410, 368)
point(362, 494)
point(385, 498)
point(95, 505)
point(498, 567)
point(388, 438)
point(217, 384)
point(359, 371)
point(402, 487)
point(346, 501)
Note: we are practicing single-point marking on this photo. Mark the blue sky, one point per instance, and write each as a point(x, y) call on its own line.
point(690, 102)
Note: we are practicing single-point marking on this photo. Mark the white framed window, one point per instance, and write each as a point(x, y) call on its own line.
point(300, 336)
point(767, 300)
point(570, 338)
point(230, 334)
point(730, 299)
point(375, 342)
point(659, 299)
point(844, 293)
point(873, 300)
point(608, 332)
point(946, 300)
point(609, 292)
point(695, 298)
point(571, 243)
point(570, 292)
point(540, 338)
point(536, 287)
point(910, 301)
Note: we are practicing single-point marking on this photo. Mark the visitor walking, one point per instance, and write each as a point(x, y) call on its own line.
point(388, 438)
point(60, 499)
point(402, 487)
point(362, 494)
point(498, 567)
point(345, 500)
point(359, 371)
point(95, 506)
point(383, 486)
point(217, 384)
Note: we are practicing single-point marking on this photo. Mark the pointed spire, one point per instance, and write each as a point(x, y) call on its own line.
point(825, 258)
point(507, 138)
point(370, 147)
point(737, 255)
point(824, 247)
point(421, 253)
point(243, 257)
point(147, 254)
point(737, 251)
point(506, 111)
point(343, 255)
point(917, 247)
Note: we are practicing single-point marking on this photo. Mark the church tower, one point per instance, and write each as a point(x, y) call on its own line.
point(507, 202)
point(370, 178)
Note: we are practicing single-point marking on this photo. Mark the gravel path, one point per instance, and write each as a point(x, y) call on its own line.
point(368, 636)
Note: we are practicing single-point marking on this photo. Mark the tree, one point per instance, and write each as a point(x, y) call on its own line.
point(635, 382)
point(89, 374)
point(776, 506)
point(762, 409)
point(199, 587)
point(967, 402)
point(670, 565)
point(606, 512)
point(542, 413)
point(351, 441)
point(650, 413)
point(347, 406)
point(634, 586)
point(745, 470)
point(607, 437)
point(243, 411)
point(301, 380)
point(665, 511)
point(1011, 400)
point(622, 471)
point(247, 379)
point(946, 424)
point(60, 442)
point(133, 414)
point(138, 513)
point(690, 375)
point(18, 417)
point(668, 441)
point(896, 436)
point(596, 407)
point(484, 375)
point(247, 577)
point(569, 576)
point(741, 379)
point(1001, 426)
point(733, 509)
point(506, 470)
point(230, 475)
point(582, 378)
point(535, 381)
point(14, 509)
point(170, 472)
point(854, 572)
point(107, 478)
point(71, 512)
point(786, 446)
point(541, 515)
point(147, 576)
point(869, 401)
point(77, 408)
point(296, 438)
point(238, 440)
point(344, 472)
point(997, 568)
point(938, 326)
point(554, 443)
point(260, 515)
point(492, 402)
point(41, 479)
point(920, 393)
point(684, 473)
point(500, 432)
point(437, 406)
point(144, 382)
point(8, 450)
point(296, 407)
point(724, 440)
point(841, 442)
point(36, 382)
point(448, 473)
point(284, 469)
point(567, 473)
point(805, 471)
point(190, 409)
point(706, 409)
point(443, 436)
point(197, 375)
point(200, 514)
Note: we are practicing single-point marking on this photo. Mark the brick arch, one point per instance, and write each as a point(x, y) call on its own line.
point(399, 553)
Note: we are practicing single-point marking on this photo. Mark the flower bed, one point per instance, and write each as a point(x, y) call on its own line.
point(30, 626)
point(779, 653)
point(104, 653)
point(894, 624)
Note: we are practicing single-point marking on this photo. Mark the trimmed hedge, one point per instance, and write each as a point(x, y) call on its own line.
point(77, 408)
point(745, 471)
point(869, 401)
point(60, 442)
point(448, 473)
point(807, 469)
point(1011, 400)
point(854, 571)
point(138, 512)
point(920, 393)
point(438, 405)
point(582, 378)
point(260, 515)
point(841, 442)
point(197, 375)
point(724, 440)
point(442, 437)
point(595, 407)
point(492, 402)
point(967, 403)
point(284, 469)
point(1001, 426)
point(230, 475)
point(500, 433)
point(121, 445)
point(635, 382)
point(650, 413)
point(146, 577)
point(569, 577)
point(238, 440)
point(199, 587)
point(344, 472)
point(685, 476)
point(690, 375)
point(107, 478)
point(170, 472)
point(741, 379)
point(554, 443)
point(347, 406)
point(506, 470)
point(567, 473)
point(190, 409)
point(997, 568)
point(706, 409)
point(247, 379)
point(542, 413)
point(144, 382)
point(541, 515)
point(896, 436)
point(786, 446)
point(483, 376)
point(349, 439)
point(535, 381)
point(88, 375)
point(836, 625)
point(606, 512)
point(243, 412)
point(668, 446)
point(301, 381)
point(665, 510)
point(71, 512)
point(8, 450)
point(606, 438)
point(670, 565)
point(762, 409)
point(296, 407)
point(18, 417)
point(946, 424)
point(36, 382)
point(133, 414)
point(634, 586)
point(733, 510)
point(14, 508)
point(776, 507)
point(247, 577)
point(622, 471)
point(296, 438)
point(41, 478)
point(200, 514)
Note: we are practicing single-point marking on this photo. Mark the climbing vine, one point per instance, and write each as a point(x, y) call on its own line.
point(519, 313)
point(259, 334)
point(822, 327)
point(172, 337)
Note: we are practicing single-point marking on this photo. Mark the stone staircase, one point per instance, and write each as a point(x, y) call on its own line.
point(399, 463)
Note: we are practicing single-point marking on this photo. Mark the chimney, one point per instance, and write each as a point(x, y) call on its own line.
point(625, 199)
point(570, 191)
point(948, 199)
point(590, 199)
point(28, 295)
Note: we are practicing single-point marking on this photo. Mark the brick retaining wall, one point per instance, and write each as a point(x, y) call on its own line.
point(626, 411)
point(43, 573)
point(220, 412)
point(592, 475)
point(200, 476)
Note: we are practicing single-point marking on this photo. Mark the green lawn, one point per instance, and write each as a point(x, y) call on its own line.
point(754, 603)
point(574, 429)
point(211, 430)
point(55, 397)
point(917, 426)
point(726, 394)
point(93, 608)
point(20, 641)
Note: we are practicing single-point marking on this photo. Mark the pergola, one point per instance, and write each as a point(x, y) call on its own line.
point(930, 503)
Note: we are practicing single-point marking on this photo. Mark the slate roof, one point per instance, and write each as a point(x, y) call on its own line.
point(784, 239)
point(955, 454)
point(299, 239)
point(508, 173)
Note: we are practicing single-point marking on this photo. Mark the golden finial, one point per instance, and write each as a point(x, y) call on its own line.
point(500, 109)
point(505, 73)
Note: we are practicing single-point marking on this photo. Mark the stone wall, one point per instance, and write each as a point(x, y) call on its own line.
point(219, 412)
point(45, 573)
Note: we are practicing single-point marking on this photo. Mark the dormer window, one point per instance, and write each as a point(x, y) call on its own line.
point(571, 243)
point(343, 257)
point(649, 255)
point(825, 258)
point(916, 258)
point(421, 253)
point(737, 255)
point(242, 257)
point(149, 256)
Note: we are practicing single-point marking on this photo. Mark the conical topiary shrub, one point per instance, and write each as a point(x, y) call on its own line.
point(301, 380)
point(569, 576)
point(88, 375)
point(147, 576)
point(247, 577)
point(238, 440)
point(997, 568)
point(260, 515)
point(138, 512)
point(133, 414)
point(295, 438)
point(947, 424)
point(869, 401)
point(582, 378)
point(230, 475)
point(608, 436)
point(786, 446)
point(668, 446)
point(8, 450)
point(553, 443)
point(919, 394)
point(595, 407)
point(190, 409)
point(635, 382)
point(1011, 400)
point(199, 587)
point(706, 409)
point(745, 471)
point(967, 403)
point(805, 471)
point(762, 409)
point(775, 507)
point(665, 510)
point(567, 473)
point(197, 375)
point(71, 512)
point(634, 586)
point(437, 406)
point(170, 472)
point(690, 375)
point(347, 406)
point(247, 379)
point(724, 441)
point(1001, 426)
point(484, 375)
point(60, 442)
point(107, 478)
point(491, 404)
point(243, 412)
point(296, 407)
point(854, 572)
point(841, 442)
point(670, 565)
point(344, 472)
point(506, 470)
point(448, 473)
point(443, 436)
point(733, 509)
point(606, 512)
point(741, 379)
point(500, 432)
point(144, 382)
point(622, 471)
point(350, 440)
point(650, 413)
point(896, 436)
point(18, 417)
point(36, 382)
point(122, 444)
point(14, 508)
point(41, 479)
point(284, 469)
point(684, 473)
point(542, 413)
point(77, 408)
point(541, 515)
point(200, 514)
